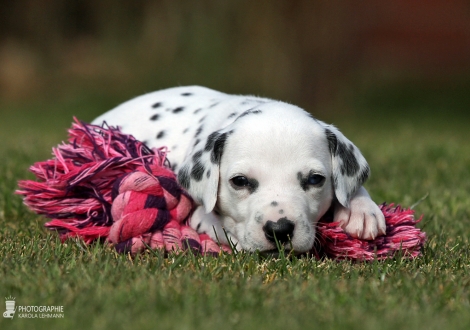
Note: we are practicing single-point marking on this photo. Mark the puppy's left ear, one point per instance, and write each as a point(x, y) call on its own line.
point(350, 168)
point(199, 173)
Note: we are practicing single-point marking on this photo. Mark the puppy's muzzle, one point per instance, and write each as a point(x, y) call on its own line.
point(282, 230)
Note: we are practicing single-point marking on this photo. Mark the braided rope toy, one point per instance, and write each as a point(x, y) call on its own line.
point(107, 185)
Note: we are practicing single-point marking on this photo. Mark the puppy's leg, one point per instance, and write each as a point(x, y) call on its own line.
point(363, 219)
point(210, 224)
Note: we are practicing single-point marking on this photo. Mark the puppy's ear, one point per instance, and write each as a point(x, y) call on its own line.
point(349, 167)
point(199, 173)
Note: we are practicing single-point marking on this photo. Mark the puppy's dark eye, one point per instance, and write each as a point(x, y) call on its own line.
point(316, 179)
point(240, 181)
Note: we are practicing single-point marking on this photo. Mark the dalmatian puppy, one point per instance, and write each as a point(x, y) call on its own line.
point(263, 171)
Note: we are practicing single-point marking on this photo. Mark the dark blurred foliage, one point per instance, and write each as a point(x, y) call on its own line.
point(321, 53)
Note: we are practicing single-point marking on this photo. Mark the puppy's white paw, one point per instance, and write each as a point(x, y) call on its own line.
point(363, 219)
point(210, 224)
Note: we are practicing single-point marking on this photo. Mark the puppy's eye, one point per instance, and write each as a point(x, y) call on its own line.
point(240, 181)
point(316, 180)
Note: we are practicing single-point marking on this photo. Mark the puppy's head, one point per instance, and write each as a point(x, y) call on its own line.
point(272, 174)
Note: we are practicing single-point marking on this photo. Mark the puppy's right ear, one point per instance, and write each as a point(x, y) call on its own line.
point(349, 167)
point(199, 173)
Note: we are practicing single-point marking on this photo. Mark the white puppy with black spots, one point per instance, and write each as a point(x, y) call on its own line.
point(261, 170)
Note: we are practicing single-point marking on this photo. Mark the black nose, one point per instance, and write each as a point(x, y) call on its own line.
point(282, 230)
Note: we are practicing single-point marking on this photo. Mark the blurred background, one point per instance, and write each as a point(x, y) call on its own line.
point(338, 59)
point(394, 76)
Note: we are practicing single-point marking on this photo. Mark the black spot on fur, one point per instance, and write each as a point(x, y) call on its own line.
point(214, 104)
point(350, 165)
point(274, 203)
point(197, 142)
point(199, 131)
point(197, 156)
point(197, 110)
point(332, 141)
point(186, 94)
point(253, 185)
point(211, 140)
point(185, 130)
point(233, 114)
point(208, 173)
point(174, 166)
point(249, 112)
point(202, 119)
point(303, 181)
point(178, 110)
point(155, 117)
point(160, 134)
point(157, 105)
point(281, 211)
point(364, 175)
point(197, 170)
point(183, 177)
point(218, 148)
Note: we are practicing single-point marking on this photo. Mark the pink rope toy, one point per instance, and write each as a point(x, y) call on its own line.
point(107, 185)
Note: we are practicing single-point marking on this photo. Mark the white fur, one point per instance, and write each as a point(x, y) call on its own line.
point(274, 146)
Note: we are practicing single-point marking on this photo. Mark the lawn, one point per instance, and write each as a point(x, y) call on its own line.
point(416, 150)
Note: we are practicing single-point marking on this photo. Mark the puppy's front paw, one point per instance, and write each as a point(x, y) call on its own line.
point(210, 224)
point(205, 223)
point(363, 219)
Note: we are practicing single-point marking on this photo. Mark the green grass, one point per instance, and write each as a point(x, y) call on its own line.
point(412, 155)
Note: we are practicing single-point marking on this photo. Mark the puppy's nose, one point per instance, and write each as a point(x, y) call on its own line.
point(282, 230)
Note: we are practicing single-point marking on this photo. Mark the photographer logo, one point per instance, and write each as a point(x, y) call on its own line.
point(10, 306)
point(31, 312)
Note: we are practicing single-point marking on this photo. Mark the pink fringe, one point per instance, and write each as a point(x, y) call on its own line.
point(402, 237)
point(76, 185)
